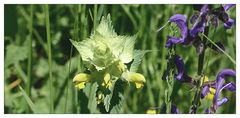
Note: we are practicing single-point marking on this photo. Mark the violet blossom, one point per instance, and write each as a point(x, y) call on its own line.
point(218, 85)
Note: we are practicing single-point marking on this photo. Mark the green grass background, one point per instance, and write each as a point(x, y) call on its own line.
point(76, 22)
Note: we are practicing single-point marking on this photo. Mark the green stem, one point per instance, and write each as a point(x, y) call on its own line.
point(170, 79)
point(197, 96)
point(30, 56)
point(49, 58)
point(69, 71)
point(95, 16)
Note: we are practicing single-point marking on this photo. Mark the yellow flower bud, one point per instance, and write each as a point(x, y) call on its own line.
point(211, 93)
point(121, 66)
point(137, 78)
point(100, 98)
point(80, 79)
point(205, 79)
point(107, 82)
point(151, 111)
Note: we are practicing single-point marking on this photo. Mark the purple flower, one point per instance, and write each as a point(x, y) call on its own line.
point(217, 85)
point(181, 22)
point(230, 21)
point(180, 68)
point(228, 6)
point(200, 23)
point(174, 110)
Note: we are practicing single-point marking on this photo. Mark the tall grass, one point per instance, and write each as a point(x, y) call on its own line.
point(30, 54)
point(49, 58)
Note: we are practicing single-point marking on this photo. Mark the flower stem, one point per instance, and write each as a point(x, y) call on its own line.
point(170, 80)
point(197, 96)
point(49, 58)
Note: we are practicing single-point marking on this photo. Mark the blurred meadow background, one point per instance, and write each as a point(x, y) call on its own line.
point(25, 32)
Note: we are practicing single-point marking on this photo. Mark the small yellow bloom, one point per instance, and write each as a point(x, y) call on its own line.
point(107, 80)
point(80, 80)
point(121, 66)
point(137, 78)
point(211, 93)
point(151, 111)
point(205, 79)
point(100, 98)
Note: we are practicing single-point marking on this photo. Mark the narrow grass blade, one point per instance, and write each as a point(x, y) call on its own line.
point(226, 54)
point(28, 88)
point(28, 100)
point(49, 58)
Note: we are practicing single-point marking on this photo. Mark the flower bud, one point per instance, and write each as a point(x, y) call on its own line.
point(80, 79)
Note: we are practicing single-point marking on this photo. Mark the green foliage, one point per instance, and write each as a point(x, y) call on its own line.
point(90, 92)
point(28, 100)
point(15, 53)
point(137, 58)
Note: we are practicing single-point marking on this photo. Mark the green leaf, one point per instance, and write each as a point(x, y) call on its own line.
point(127, 53)
point(84, 48)
point(137, 56)
point(15, 53)
point(108, 97)
point(118, 98)
point(28, 100)
point(90, 91)
point(105, 27)
point(118, 108)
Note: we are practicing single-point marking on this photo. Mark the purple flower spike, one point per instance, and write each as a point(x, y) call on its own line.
point(229, 23)
point(207, 111)
point(174, 110)
point(180, 20)
point(180, 67)
point(224, 73)
point(228, 6)
point(229, 86)
point(200, 25)
point(219, 85)
point(204, 9)
point(222, 101)
point(205, 91)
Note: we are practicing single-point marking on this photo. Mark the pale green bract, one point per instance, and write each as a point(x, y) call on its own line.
point(104, 47)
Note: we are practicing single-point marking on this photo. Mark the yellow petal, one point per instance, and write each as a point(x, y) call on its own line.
point(80, 85)
point(82, 77)
point(100, 98)
point(205, 79)
point(107, 81)
point(121, 66)
point(106, 77)
point(211, 93)
point(151, 111)
point(139, 85)
point(137, 78)
point(109, 84)
point(80, 80)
